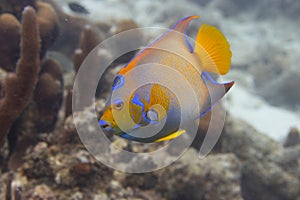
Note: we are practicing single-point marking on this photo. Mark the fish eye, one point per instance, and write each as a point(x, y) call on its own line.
point(118, 104)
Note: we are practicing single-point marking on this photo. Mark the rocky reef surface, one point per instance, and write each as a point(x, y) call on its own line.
point(43, 44)
point(246, 165)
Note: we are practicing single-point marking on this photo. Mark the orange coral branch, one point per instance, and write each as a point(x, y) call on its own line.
point(18, 87)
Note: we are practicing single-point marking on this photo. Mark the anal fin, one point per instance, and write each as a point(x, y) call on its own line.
point(216, 92)
point(171, 136)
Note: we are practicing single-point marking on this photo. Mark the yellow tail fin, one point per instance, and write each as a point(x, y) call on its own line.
point(213, 50)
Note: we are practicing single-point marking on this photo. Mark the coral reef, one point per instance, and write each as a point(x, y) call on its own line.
point(48, 25)
point(9, 31)
point(88, 41)
point(241, 169)
point(10, 17)
point(48, 94)
point(44, 157)
point(68, 40)
point(30, 98)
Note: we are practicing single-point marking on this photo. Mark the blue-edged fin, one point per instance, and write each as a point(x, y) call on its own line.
point(181, 26)
point(164, 42)
point(216, 91)
point(171, 136)
point(213, 50)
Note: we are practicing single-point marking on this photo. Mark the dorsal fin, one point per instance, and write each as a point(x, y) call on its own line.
point(181, 25)
point(177, 44)
point(213, 50)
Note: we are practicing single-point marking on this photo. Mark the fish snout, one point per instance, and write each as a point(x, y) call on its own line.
point(105, 125)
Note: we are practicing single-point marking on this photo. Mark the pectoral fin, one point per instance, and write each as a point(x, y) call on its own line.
point(171, 136)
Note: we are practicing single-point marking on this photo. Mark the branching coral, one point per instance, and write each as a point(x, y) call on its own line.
point(24, 82)
point(18, 87)
point(10, 15)
point(89, 40)
point(48, 24)
point(9, 31)
point(48, 94)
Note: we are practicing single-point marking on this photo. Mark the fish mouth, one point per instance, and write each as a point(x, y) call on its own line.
point(105, 125)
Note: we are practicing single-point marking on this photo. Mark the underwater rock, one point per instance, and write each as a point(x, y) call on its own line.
point(246, 142)
point(271, 61)
point(273, 74)
point(10, 189)
point(262, 179)
point(40, 192)
point(293, 138)
point(289, 160)
point(248, 165)
point(182, 179)
point(287, 85)
point(266, 165)
point(199, 178)
point(18, 87)
point(191, 178)
point(38, 162)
